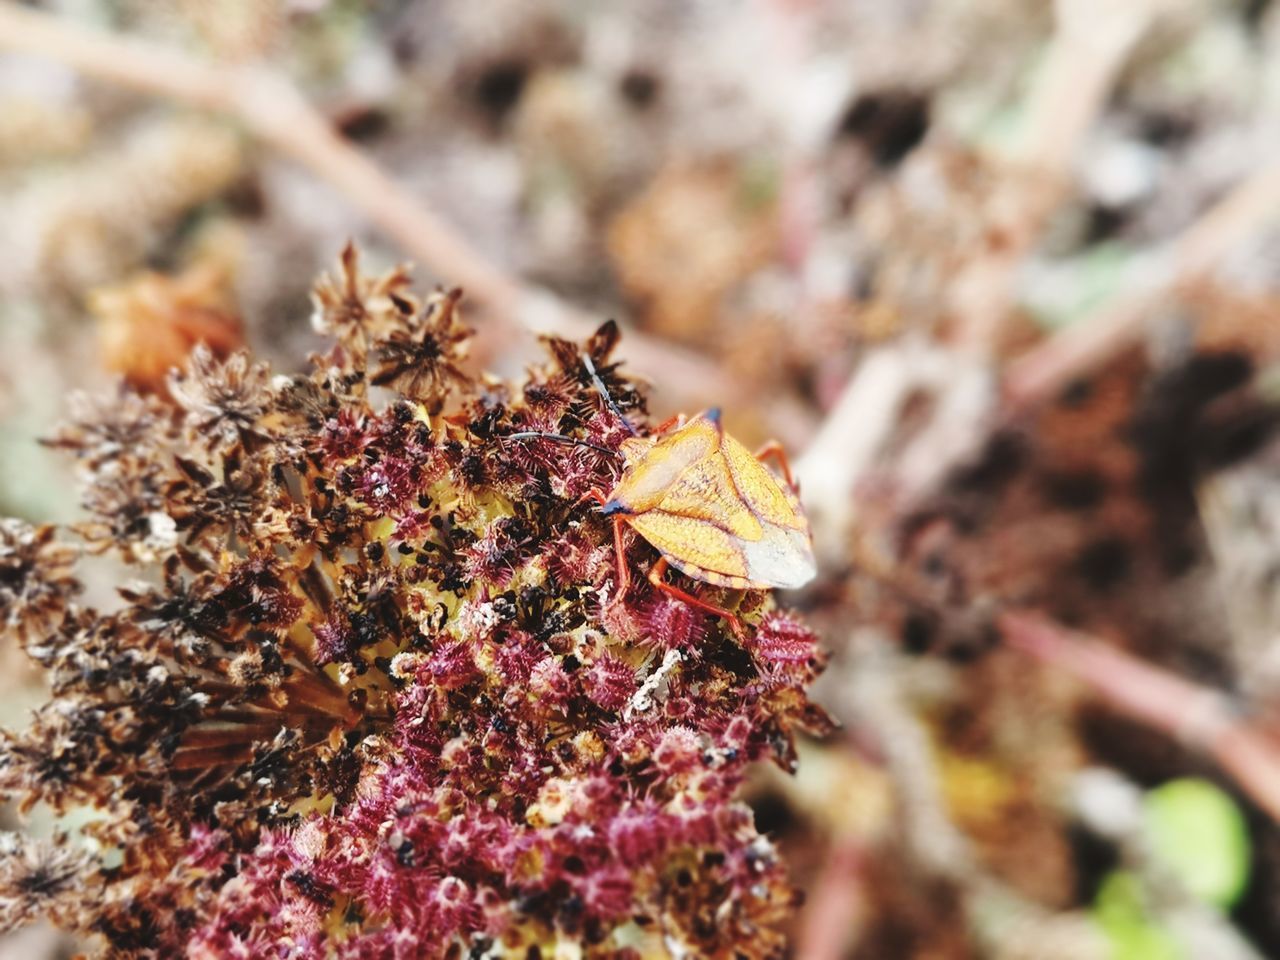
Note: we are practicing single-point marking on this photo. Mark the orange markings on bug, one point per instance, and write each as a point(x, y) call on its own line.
point(712, 510)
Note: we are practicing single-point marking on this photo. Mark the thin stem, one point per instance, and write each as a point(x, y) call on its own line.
point(272, 108)
point(1091, 41)
point(195, 758)
point(1088, 343)
point(1200, 717)
point(829, 924)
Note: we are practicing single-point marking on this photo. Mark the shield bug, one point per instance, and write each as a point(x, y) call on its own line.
point(707, 505)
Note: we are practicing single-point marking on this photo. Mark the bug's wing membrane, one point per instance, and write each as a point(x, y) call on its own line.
point(649, 480)
point(782, 558)
point(691, 544)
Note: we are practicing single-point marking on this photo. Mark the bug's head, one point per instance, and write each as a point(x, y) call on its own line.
point(614, 508)
point(712, 416)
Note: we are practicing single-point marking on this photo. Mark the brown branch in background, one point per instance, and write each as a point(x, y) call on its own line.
point(855, 430)
point(1084, 345)
point(272, 109)
point(1041, 373)
point(834, 909)
point(1091, 40)
point(1197, 716)
point(1090, 44)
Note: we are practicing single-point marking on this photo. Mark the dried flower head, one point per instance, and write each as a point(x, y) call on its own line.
point(37, 578)
point(420, 358)
point(38, 880)
point(381, 698)
point(353, 307)
point(101, 431)
point(224, 400)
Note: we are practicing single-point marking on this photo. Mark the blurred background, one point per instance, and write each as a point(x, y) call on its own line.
point(1002, 275)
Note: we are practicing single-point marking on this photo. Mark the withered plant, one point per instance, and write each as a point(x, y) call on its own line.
point(378, 695)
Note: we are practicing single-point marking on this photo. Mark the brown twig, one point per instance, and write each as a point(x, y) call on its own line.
point(831, 915)
point(855, 431)
point(1084, 345)
point(1044, 371)
point(1198, 716)
point(272, 109)
point(1091, 41)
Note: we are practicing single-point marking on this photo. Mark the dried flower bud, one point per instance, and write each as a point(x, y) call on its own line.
point(224, 401)
point(420, 357)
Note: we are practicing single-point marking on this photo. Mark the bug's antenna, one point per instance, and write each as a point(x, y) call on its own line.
point(561, 438)
point(604, 392)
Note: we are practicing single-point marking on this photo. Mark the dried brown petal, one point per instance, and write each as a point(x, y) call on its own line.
point(355, 308)
point(149, 324)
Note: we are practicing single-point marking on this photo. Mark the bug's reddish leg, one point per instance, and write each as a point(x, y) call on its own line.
point(624, 575)
point(596, 494)
point(656, 577)
point(619, 552)
point(667, 424)
point(773, 450)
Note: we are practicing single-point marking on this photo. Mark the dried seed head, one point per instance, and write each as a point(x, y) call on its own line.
point(37, 880)
point(420, 357)
point(224, 400)
point(36, 578)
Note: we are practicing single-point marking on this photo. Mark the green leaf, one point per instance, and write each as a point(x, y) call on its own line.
point(1119, 913)
point(1198, 832)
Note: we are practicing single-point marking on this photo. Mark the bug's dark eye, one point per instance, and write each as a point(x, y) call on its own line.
point(613, 507)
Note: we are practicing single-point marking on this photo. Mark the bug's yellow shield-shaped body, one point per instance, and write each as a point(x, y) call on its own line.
point(713, 510)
